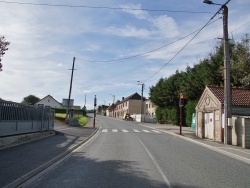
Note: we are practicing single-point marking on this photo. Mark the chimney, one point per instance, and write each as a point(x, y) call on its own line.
point(122, 98)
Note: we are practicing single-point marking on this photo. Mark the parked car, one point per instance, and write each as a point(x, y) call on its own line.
point(127, 117)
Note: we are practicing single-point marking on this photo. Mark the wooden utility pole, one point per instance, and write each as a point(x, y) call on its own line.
point(227, 83)
point(70, 88)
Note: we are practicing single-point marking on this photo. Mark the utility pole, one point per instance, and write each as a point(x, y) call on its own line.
point(94, 111)
point(227, 83)
point(142, 88)
point(70, 88)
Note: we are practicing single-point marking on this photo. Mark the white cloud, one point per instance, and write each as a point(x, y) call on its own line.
point(129, 31)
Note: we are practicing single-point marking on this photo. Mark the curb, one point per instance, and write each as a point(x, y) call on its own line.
point(11, 141)
point(32, 173)
point(231, 155)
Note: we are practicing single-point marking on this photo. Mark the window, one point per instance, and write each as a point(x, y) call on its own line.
point(146, 105)
point(48, 100)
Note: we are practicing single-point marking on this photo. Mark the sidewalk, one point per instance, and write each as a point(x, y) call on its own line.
point(20, 162)
point(235, 152)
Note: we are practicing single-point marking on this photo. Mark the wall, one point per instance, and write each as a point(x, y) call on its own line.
point(134, 107)
point(247, 133)
point(241, 131)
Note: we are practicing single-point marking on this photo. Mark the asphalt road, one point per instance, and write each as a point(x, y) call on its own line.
point(125, 154)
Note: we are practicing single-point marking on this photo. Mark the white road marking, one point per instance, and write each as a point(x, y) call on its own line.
point(135, 130)
point(156, 165)
point(104, 130)
point(114, 130)
point(124, 130)
point(156, 131)
point(146, 131)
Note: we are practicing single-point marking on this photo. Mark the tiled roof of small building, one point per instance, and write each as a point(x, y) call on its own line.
point(240, 96)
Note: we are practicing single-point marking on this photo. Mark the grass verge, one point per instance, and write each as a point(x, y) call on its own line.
point(82, 120)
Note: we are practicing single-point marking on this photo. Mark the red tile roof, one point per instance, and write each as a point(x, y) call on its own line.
point(240, 96)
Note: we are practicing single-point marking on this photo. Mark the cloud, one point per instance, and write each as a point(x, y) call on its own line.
point(158, 27)
point(129, 31)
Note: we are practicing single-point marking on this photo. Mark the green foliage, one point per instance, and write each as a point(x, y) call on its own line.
point(60, 116)
point(192, 81)
point(159, 115)
point(189, 110)
point(64, 110)
point(3, 46)
point(31, 99)
point(240, 63)
point(82, 120)
point(60, 110)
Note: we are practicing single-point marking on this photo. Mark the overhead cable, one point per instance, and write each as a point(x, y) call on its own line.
point(105, 7)
point(185, 44)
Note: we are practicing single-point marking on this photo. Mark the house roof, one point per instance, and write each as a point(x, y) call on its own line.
point(134, 96)
point(240, 96)
point(112, 107)
point(52, 98)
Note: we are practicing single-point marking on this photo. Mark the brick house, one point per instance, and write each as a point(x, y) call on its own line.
point(210, 113)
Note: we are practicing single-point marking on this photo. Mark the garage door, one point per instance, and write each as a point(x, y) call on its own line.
point(209, 125)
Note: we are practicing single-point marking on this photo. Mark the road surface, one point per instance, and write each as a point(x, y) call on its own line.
point(126, 154)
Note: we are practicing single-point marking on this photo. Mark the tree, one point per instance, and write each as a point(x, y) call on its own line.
point(240, 63)
point(31, 99)
point(3, 48)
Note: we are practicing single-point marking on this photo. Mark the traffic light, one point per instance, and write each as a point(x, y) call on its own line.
point(181, 100)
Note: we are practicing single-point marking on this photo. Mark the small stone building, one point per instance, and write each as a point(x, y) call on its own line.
point(210, 113)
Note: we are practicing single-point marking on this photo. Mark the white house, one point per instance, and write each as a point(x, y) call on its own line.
point(49, 101)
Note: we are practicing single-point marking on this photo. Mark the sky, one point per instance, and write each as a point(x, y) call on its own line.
point(116, 43)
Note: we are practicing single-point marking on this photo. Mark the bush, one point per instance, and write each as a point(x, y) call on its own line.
point(189, 110)
point(82, 120)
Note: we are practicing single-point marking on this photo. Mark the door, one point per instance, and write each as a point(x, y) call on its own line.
point(209, 125)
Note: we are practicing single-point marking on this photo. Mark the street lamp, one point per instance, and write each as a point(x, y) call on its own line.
point(210, 2)
point(227, 83)
point(142, 87)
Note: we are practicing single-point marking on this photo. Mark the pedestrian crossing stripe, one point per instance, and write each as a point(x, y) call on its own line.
point(135, 130)
point(156, 131)
point(127, 131)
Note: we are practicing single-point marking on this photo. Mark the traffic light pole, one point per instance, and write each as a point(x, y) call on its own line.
point(180, 120)
point(181, 104)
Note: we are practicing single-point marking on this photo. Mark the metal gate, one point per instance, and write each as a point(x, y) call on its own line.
point(17, 118)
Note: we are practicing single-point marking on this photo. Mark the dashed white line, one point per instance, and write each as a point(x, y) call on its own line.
point(146, 131)
point(156, 131)
point(136, 131)
point(104, 130)
point(124, 130)
point(114, 130)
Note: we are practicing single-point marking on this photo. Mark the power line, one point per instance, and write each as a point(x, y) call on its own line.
point(180, 49)
point(141, 54)
point(105, 7)
point(185, 44)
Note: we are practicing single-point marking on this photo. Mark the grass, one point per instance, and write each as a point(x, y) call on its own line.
point(82, 120)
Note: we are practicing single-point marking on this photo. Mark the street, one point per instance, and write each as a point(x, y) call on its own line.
point(126, 154)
